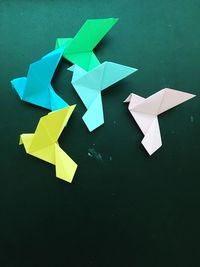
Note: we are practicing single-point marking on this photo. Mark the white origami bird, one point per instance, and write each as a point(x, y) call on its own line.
point(146, 111)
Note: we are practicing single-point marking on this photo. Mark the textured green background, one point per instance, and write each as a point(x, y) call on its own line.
point(126, 209)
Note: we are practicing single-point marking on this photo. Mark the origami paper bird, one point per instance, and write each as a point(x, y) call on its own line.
point(146, 111)
point(89, 85)
point(43, 143)
point(36, 88)
point(79, 50)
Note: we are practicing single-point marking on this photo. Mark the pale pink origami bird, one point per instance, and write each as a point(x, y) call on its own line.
point(145, 111)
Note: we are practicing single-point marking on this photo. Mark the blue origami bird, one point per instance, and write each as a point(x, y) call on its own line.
point(89, 85)
point(36, 87)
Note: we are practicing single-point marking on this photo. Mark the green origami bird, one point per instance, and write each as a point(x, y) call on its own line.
point(79, 50)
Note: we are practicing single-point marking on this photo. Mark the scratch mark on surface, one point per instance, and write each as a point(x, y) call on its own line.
point(94, 154)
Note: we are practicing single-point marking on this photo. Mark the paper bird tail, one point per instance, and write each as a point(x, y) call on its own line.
point(152, 139)
point(114, 73)
point(162, 101)
point(65, 166)
point(94, 117)
point(86, 60)
point(19, 85)
point(56, 101)
point(172, 98)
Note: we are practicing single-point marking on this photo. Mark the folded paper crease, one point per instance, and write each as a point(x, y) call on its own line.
point(36, 88)
point(89, 86)
point(146, 111)
point(79, 50)
point(43, 144)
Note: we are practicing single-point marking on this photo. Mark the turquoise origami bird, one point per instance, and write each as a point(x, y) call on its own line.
point(36, 87)
point(79, 50)
point(89, 86)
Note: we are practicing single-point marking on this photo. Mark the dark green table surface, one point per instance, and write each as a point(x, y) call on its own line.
point(123, 208)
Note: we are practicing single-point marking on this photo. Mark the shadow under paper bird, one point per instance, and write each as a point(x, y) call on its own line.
point(146, 111)
point(89, 86)
point(79, 50)
point(36, 88)
point(43, 143)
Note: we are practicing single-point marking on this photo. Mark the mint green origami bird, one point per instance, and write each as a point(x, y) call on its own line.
point(89, 86)
point(79, 50)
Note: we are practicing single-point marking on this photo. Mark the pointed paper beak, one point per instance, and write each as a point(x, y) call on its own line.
point(20, 140)
point(71, 68)
point(128, 99)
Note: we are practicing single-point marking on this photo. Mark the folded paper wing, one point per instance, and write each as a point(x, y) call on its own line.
point(145, 112)
point(89, 85)
point(36, 87)
point(43, 143)
point(79, 50)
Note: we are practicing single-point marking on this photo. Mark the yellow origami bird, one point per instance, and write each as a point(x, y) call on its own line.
point(43, 143)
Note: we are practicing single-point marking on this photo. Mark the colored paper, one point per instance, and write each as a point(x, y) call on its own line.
point(79, 50)
point(43, 143)
point(146, 111)
point(36, 87)
point(89, 85)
